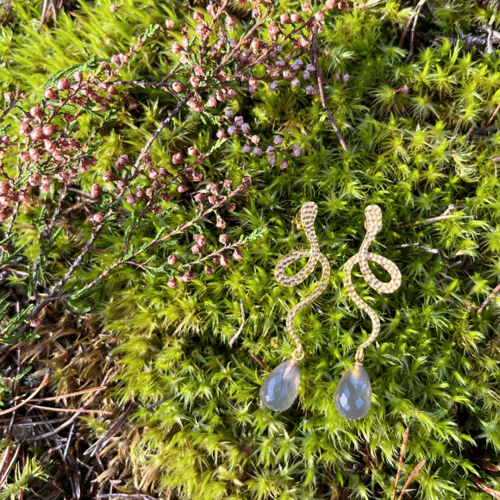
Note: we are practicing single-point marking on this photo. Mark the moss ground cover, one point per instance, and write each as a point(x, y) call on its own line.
point(422, 143)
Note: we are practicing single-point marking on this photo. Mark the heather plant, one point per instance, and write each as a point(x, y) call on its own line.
point(176, 166)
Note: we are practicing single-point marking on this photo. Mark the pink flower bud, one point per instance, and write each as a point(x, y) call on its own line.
point(115, 59)
point(273, 86)
point(245, 128)
point(176, 48)
point(169, 24)
point(209, 270)
point(296, 18)
point(107, 177)
point(223, 238)
point(237, 255)
point(172, 283)
point(285, 18)
point(35, 179)
point(36, 112)
point(295, 83)
point(153, 173)
point(196, 249)
point(63, 84)
point(228, 184)
point(257, 151)
point(212, 102)
point(178, 87)
point(98, 217)
point(113, 8)
point(224, 260)
point(95, 190)
point(284, 164)
point(177, 159)
point(181, 188)
point(220, 134)
point(37, 134)
point(172, 259)
point(48, 130)
point(130, 199)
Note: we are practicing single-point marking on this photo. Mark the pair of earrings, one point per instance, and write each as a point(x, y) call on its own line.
point(354, 393)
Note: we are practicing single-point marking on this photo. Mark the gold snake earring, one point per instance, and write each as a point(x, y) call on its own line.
point(280, 388)
point(354, 393)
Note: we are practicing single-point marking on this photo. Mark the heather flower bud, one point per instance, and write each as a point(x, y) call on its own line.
point(209, 270)
point(295, 83)
point(46, 183)
point(176, 48)
point(35, 154)
point(113, 8)
point(231, 93)
point(224, 260)
point(188, 276)
point(95, 190)
point(296, 18)
point(107, 177)
point(220, 134)
point(130, 199)
point(237, 255)
point(181, 188)
point(169, 24)
point(257, 151)
point(124, 58)
point(194, 81)
point(35, 179)
point(198, 197)
point(172, 283)
point(284, 164)
point(156, 210)
point(177, 86)
point(48, 130)
point(309, 89)
point(252, 89)
point(4, 188)
point(172, 259)
point(285, 18)
point(212, 199)
point(8, 96)
point(177, 159)
point(245, 128)
point(115, 59)
point(36, 112)
point(212, 102)
point(273, 86)
point(140, 193)
point(232, 131)
point(196, 249)
point(228, 184)
point(150, 192)
point(320, 16)
point(121, 185)
point(37, 134)
point(63, 84)
point(153, 173)
point(255, 139)
point(98, 217)
point(24, 128)
point(246, 181)
point(246, 148)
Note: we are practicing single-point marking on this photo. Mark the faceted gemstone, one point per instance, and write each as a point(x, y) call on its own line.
point(280, 388)
point(354, 393)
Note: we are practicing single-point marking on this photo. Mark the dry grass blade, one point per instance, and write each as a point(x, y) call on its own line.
point(416, 470)
point(400, 463)
point(45, 381)
point(487, 489)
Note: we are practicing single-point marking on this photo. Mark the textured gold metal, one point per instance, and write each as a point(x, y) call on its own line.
point(305, 220)
point(373, 225)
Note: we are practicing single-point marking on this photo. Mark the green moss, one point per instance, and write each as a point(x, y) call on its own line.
point(434, 367)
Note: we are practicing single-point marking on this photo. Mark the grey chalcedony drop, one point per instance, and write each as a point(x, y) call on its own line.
point(354, 393)
point(280, 388)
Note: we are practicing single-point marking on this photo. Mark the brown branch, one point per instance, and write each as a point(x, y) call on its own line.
point(488, 299)
point(70, 410)
point(321, 90)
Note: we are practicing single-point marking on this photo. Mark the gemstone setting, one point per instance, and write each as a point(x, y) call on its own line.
point(353, 398)
point(281, 386)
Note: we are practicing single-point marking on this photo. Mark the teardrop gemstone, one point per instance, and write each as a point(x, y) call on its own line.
point(280, 388)
point(354, 393)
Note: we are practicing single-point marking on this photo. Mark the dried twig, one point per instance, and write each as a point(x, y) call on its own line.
point(400, 463)
point(70, 410)
point(240, 329)
point(489, 28)
point(488, 299)
point(415, 14)
point(321, 90)
point(444, 215)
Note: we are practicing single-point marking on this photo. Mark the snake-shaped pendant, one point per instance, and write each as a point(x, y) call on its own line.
point(280, 388)
point(354, 393)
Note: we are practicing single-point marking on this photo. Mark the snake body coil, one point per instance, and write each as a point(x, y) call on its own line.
point(308, 213)
point(373, 226)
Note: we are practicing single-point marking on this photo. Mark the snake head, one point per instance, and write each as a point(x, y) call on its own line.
point(373, 221)
point(307, 213)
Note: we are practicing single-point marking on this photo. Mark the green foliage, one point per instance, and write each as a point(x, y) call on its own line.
point(434, 367)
